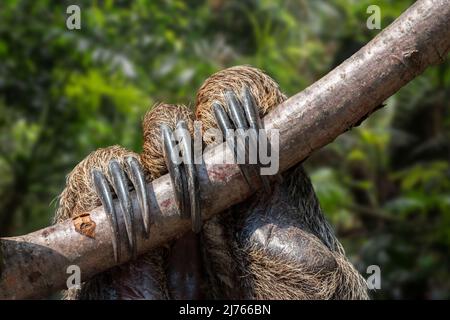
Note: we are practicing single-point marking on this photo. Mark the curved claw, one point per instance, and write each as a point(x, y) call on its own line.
point(175, 172)
point(120, 186)
point(137, 177)
point(193, 188)
point(240, 121)
point(225, 125)
point(255, 123)
point(104, 193)
point(250, 110)
point(222, 118)
point(237, 116)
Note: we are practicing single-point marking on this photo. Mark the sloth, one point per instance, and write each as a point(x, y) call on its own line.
point(275, 245)
point(171, 272)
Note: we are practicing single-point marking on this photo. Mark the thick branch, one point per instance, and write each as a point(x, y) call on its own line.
point(35, 265)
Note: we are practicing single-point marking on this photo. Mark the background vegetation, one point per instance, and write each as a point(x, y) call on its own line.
point(385, 185)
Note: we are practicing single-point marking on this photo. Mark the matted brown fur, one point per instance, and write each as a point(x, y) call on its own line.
point(152, 155)
point(322, 275)
point(79, 195)
point(265, 90)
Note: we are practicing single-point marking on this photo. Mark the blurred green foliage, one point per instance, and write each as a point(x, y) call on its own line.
point(385, 186)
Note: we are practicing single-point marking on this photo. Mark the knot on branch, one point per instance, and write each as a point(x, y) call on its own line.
point(412, 59)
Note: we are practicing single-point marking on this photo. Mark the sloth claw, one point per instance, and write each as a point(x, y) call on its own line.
point(244, 117)
point(176, 173)
point(225, 126)
point(137, 178)
point(104, 192)
point(120, 186)
point(191, 175)
point(183, 175)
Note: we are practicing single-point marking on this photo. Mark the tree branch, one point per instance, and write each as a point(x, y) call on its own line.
point(34, 265)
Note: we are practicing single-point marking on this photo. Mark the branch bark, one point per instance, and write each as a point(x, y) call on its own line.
point(35, 264)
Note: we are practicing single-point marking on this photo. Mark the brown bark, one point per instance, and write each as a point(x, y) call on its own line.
point(35, 265)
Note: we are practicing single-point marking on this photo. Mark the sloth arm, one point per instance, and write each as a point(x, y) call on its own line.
point(146, 277)
point(289, 250)
point(266, 248)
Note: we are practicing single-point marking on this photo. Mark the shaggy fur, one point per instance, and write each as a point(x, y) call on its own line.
point(265, 90)
point(276, 246)
point(79, 195)
point(152, 155)
point(309, 264)
point(144, 278)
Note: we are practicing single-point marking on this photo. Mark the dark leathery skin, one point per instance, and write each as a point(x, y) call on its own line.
point(285, 225)
point(139, 279)
point(184, 269)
